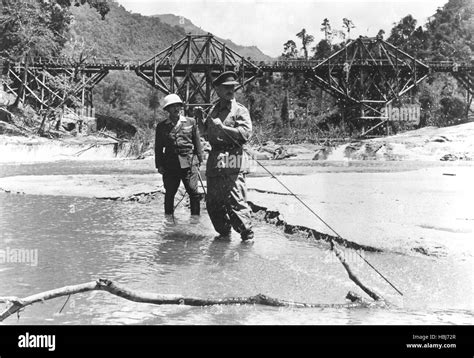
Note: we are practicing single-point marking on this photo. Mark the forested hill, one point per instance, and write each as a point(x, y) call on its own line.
point(271, 99)
point(127, 35)
point(121, 33)
point(245, 51)
point(448, 34)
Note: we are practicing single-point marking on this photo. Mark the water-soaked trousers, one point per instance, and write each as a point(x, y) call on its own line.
point(226, 203)
point(171, 181)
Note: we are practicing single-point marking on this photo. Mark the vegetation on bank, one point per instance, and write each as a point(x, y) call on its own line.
point(288, 108)
point(447, 36)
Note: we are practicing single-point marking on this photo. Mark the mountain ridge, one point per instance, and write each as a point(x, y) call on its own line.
point(132, 36)
point(188, 26)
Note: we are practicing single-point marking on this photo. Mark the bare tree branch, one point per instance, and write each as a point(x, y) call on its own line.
point(353, 277)
point(15, 304)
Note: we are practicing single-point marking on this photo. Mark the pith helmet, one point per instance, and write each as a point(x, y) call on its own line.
point(226, 78)
point(171, 99)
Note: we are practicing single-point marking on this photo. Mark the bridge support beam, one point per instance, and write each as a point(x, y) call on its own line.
point(466, 79)
point(365, 76)
point(189, 66)
point(47, 85)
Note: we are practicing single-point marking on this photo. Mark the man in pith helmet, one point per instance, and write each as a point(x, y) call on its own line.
point(178, 154)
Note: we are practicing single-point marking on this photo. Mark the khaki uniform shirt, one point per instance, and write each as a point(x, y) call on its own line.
point(177, 146)
point(227, 155)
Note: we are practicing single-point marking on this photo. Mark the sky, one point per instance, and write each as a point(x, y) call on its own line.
point(268, 24)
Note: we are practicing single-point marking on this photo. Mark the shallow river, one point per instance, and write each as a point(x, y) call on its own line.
point(74, 240)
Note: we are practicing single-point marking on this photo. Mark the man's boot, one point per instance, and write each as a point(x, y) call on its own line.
point(247, 235)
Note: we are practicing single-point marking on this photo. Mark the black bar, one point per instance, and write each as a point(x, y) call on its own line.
point(323, 341)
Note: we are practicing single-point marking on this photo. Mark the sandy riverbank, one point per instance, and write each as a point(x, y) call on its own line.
point(426, 144)
point(429, 211)
point(17, 149)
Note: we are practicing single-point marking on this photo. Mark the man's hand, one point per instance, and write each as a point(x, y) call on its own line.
point(217, 122)
point(161, 170)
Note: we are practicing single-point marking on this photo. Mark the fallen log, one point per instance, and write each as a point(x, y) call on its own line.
point(16, 304)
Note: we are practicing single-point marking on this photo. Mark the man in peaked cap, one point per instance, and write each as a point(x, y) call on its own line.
point(178, 154)
point(227, 127)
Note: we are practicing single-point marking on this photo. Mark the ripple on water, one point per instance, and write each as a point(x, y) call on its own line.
point(79, 240)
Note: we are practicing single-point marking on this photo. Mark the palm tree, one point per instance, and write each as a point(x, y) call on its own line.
point(326, 28)
point(348, 24)
point(305, 40)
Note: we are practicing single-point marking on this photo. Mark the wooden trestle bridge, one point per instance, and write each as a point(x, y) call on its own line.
point(364, 76)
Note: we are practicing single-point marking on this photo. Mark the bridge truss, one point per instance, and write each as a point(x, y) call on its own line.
point(189, 66)
point(53, 83)
point(364, 76)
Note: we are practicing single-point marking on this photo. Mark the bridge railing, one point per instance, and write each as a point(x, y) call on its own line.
point(275, 65)
point(314, 63)
point(287, 63)
point(92, 61)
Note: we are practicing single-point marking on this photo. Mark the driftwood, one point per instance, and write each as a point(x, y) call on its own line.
point(268, 192)
point(15, 304)
point(274, 217)
point(84, 150)
point(353, 277)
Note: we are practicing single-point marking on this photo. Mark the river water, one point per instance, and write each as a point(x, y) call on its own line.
point(74, 240)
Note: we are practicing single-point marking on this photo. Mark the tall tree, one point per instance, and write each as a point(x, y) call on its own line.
point(38, 27)
point(306, 39)
point(326, 28)
point(322, 50)
point(348, 25)
point(402, 31)
point(410, 38)
point(289, 50)
point(26, 30)
point(451, 30)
